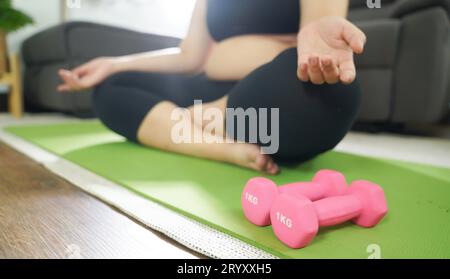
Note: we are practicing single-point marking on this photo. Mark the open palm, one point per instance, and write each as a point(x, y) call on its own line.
point(325, 50)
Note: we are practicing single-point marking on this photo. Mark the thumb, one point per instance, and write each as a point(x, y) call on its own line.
point(90, 80)
point(354, 37)
point(81, 70)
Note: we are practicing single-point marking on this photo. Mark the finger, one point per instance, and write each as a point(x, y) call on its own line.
point(70, 80)
point(347, 72)
point(315, 73)
point(303, 72)
point(90, 80)
point(63, 88)
point(330, 70)
point(62, 73)
point(302, 68)
point(81, 69)
point(67, 73)
point(354, 37)
point(87, 82)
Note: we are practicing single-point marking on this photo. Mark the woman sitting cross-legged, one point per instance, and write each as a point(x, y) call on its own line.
point(292, 55)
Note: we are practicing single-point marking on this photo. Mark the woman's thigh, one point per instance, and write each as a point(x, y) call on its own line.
point(180, 89)
point(311, 118)
point(124, 100)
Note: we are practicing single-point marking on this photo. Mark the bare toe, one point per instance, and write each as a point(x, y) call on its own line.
point(261, 161)
point(273, 169)
point(250, 156)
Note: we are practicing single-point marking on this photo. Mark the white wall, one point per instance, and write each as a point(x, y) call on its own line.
point(45, 14)
point(166, 17)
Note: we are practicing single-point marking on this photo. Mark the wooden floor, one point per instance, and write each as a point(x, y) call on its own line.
point(44, 216)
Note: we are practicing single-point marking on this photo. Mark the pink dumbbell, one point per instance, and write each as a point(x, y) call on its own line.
point(296, 220)
point(260, 193)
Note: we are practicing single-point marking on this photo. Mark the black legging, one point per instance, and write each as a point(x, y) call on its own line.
point(313, 118)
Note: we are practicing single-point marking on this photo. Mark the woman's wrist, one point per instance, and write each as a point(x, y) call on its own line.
point(118, 64)
point(314, 10)
point(306, 22)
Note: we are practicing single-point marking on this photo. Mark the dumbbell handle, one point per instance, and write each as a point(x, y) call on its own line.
point(311, 190)
point(336, 210)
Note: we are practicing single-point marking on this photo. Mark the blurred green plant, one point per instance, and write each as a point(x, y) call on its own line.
point(12, 19)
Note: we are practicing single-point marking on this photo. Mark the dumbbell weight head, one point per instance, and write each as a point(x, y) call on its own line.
point(294, 220)
point(257, 198)
point(334, 182)
point(373, 200)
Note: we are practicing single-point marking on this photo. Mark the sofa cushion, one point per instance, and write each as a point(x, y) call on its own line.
point(376, 85)
point(422, 71)
point(382, 44)
point(88, 41)
point(46, 46)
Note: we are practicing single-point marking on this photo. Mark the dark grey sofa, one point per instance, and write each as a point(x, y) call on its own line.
point(404, 72)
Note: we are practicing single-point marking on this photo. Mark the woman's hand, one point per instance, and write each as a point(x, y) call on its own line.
point(325, 50)
point(87, 75)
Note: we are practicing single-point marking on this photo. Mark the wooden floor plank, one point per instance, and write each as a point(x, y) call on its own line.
point(44, 216)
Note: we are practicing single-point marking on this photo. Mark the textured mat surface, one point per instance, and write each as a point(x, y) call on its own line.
point(417, 226)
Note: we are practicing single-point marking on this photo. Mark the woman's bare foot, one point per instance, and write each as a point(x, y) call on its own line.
point(250, 156)
point(211, 147)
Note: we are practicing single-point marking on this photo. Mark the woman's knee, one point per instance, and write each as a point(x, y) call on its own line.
point(103, 102)
point(102, 92)
point(101, 89)
point(311, 118)
point(319, 120)
point(315, 116)
point(97, 98)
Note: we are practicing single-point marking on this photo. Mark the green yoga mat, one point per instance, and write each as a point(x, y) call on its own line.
point(417, 225)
